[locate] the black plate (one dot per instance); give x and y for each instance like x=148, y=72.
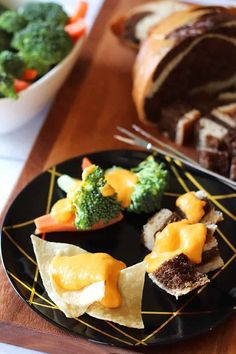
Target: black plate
x=166, y=319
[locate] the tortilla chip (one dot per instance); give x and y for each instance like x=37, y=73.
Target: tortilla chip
x=131, y=282
x=75, y=303
x=72, y=303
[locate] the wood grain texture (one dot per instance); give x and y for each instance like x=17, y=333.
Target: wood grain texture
x=94, y=100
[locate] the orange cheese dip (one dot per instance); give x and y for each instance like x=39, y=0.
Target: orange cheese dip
x=76, y=272
x=176, y=238
x=71, y=194
x=62, y=210
x=87, y=171
x=107, y=190
x=192, y=207
x=123, y=182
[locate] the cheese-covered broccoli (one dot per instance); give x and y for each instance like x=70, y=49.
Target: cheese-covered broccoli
x=11, y=21
x=151, y=183
x=44, y=11
x=139, y=189
x=42, y=42
x=95, y=200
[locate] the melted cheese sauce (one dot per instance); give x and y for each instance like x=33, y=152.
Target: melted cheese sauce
x=76, y=272
x=176, y=238
x=119, y=180
x=62, y=210
x=71, y=194
x=87, y=171
x=107, y=190
x=192, y=207
x=123, y=182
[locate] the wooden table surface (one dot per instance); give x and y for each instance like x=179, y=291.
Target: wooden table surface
x=94, y=100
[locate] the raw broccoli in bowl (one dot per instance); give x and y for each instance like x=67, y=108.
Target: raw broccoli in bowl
x=7, y=88
x=43, y=41
x=11, y=21
x=5, y=40
x=44, y=11
x=11, y=64
x=33, y=39
x=35, y=64
x=2, y=9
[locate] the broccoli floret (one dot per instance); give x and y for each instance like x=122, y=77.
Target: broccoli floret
x=11, y=21
x=152, y=180
x=50, y=12
x=42, y=42
x=35, y=64
x=4, y=40
x=2, y=9
x=11, y=63
x=7, y=86
x=91, y=204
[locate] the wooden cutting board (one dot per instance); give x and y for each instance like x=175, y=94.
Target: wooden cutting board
x=94, y=100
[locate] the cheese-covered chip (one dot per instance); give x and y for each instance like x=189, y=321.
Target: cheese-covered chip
x=131, y=283
x=72, y=303
x=75, y=303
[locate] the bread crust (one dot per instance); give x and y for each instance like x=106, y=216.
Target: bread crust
x=154, y=12
x=161, y=42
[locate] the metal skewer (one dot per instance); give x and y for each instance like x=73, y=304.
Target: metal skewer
x=161, y=143
x=133, y=139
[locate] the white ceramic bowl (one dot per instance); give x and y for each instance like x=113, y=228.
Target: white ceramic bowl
x=31, y=101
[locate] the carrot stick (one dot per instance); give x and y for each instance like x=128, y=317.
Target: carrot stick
x=20, y=85
x=80, y=11
x=75, y=29
x=29, y=74
x=85, y=163
x=46, y=223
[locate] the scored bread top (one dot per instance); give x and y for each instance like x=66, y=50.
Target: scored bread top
x=150, y=65
x=134, y=26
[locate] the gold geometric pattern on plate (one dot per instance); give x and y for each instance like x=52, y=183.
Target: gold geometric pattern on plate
x=198, y=185
x=209, y=195
x=48, y=207
x=174, y=166
x=52, y=306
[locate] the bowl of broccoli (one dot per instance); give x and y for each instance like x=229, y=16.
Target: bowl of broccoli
x=39, y=44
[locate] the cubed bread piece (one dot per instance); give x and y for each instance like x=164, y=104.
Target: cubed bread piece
x=214, y=160
x=178, y=276
x=211, y=259
x=211, y=134
x=226, y=114
x=156, y=224
x=233, y=169
x=228, y=96
x=186, y=126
